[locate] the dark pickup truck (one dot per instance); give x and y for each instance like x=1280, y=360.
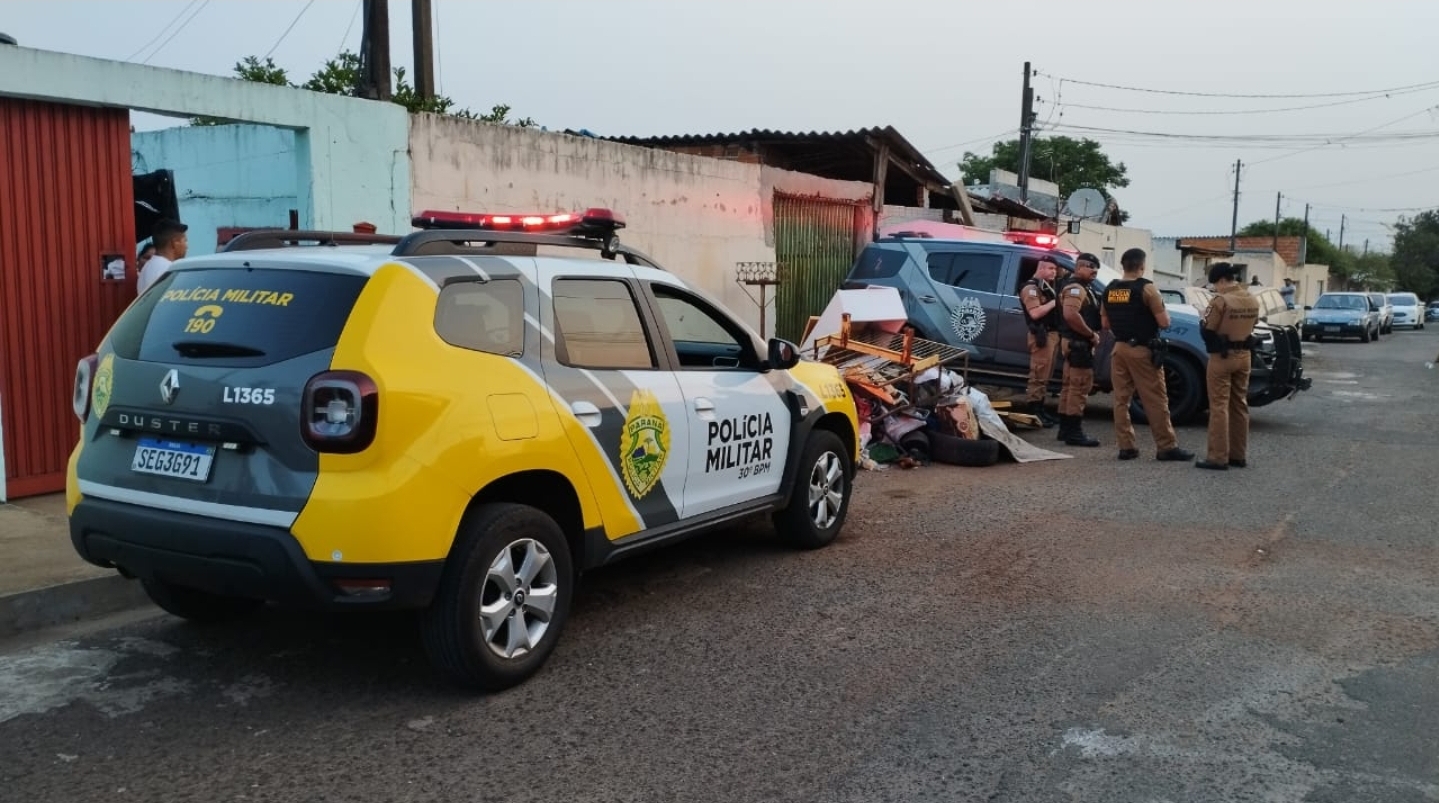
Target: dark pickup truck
x=966, y=293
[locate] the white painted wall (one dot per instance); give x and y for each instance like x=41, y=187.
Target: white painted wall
x=350, y=153
x=1110, y=242
x=695, y=215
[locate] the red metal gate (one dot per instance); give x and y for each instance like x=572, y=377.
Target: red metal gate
x=66, y=199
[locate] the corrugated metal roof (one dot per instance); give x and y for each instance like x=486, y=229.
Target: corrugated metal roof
x=900, y=147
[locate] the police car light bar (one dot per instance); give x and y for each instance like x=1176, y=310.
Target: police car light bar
x=1034, y=238
x=592, y=222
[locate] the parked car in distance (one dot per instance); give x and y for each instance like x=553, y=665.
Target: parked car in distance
x=1431, y=312
x=1408, y=311
x=1336, y=315
x=1196, y=297
x=1386, y=312
x=1272, y=308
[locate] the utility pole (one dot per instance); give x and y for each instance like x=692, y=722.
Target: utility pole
x=1366, y=246
x=1278, y=196
x=1304, y=241
x=424, y=30
x=375, y=51
x=1234, y=221
x=1342, y=221
x=1026, y=135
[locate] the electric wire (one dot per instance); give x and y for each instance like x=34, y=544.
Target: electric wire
x=991, y=137
x=359, y=5
x=1281, y=96
x=1226, y=112
x=166, y=36
x=293, y=22
x=158, y=36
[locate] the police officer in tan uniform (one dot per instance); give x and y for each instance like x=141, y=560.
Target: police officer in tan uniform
x=1079, y=332
x=1041, y=310
x=1134, y=311
x=1228, y=328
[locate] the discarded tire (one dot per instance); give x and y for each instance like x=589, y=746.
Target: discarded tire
x=918, y=445
x=963, y=451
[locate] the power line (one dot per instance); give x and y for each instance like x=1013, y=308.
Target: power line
x=439, y=52
x=293, y=22
x=162, y=31
x=1227, y=112
x=1281, y=139
x=991, y=137
x=350, y=27
x=1360, y=134
x=176, y=33
x=1253, y=96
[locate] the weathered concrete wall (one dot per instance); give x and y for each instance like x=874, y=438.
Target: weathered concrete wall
x=350, y=155
x=697, y=216
x=225, y=175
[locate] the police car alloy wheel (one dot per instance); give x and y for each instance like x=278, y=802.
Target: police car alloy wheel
x=820, y=500
x=504, y=599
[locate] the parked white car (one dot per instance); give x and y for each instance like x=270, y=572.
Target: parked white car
x=1408, y=310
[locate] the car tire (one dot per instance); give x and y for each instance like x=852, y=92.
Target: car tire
x=1186, y=392
x=489, y=626
x=200, y=607
x=1365, y=338
x=820, y=499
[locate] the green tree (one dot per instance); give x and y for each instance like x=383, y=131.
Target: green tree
x=1371, y=271
x=340, y=75
x=1416, y=253
x=1319, y=251
x=1070, y=163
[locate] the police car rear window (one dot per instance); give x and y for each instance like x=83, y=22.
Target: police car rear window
x=237, y=317
x=878, y=263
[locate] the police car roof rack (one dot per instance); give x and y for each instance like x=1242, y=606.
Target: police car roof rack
x=285, y=238
x=463, y=240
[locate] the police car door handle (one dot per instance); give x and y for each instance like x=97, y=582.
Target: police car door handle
x=705, y=408
x=928, y=299
x=1013, y=311
x=587, y=413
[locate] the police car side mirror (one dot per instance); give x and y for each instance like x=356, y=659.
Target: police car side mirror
x=1307, y=308
x=783, y=355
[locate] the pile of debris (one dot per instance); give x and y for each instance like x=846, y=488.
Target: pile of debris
x=913, y=409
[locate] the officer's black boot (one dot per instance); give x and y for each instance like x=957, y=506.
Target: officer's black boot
x=1037, y=410
x=1077, y=436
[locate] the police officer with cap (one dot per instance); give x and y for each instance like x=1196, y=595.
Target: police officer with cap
x=1041, y=310
x=1228, y=329
x=1079, y=329
x=1134, y=311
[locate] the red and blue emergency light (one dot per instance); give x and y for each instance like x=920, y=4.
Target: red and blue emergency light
x=596, y=221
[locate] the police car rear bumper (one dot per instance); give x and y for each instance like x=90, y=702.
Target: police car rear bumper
x=1279, y=371
x=239, y=559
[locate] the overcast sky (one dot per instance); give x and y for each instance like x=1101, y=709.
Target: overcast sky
x=946, y=74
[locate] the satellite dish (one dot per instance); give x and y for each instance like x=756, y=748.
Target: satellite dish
x=1086, y=202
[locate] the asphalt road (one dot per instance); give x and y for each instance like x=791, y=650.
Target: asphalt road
x=1073, y=630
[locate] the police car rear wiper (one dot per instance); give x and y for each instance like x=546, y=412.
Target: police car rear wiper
x=211, y=348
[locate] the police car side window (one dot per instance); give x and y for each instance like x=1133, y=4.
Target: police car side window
x=483, y=316
x=978, y=272
x=702, y=338
x=599, y=326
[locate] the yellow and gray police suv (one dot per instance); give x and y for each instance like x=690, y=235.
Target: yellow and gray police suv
x=457, y=421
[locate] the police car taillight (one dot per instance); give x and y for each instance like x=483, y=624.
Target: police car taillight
x=341, y=412
x=595, y=220
x=84, y=376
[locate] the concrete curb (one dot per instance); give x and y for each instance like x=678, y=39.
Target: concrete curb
x=68, y=603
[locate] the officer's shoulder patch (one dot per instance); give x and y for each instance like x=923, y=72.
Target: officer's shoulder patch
x=1076, y=291
x=1030, y=291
